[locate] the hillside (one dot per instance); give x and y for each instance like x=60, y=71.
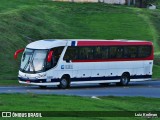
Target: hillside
x=44, y=19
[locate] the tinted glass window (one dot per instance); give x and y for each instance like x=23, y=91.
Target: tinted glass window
x=71, y=53
x=116, y=52
x=112, y=51
x=55, y=57
x=86, y=53
x=144, y=51
x=120, y=52
x=103, y=52
x=100, y=52
x=130, y=52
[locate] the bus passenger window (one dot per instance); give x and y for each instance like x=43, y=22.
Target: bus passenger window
x=116, y=52
x=104, y=51
x=100, y=52
x=97, y=53
x=126, y=52
x=132, y=51
x=85, y=53
x=82, y=53
x=71, y=53
x=112, y=52
x=119, y=52
x=144, y=51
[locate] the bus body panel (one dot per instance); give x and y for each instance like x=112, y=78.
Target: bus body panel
x=90, y=71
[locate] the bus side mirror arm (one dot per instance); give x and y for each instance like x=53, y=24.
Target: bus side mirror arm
x=17, y=52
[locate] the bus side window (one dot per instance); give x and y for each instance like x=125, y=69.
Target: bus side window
x=126, y=52
x=144, y=51
x=90, y=53
x=82, y=53
x=119, y=53
x=97, y=53
x=100, y=52
x=55, y=57
x=132, y=51
x=71, y=53
x=104, y=51
x=116, y=52
x=85, y=53
x=112, y=52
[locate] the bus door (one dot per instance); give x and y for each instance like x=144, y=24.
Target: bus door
x=69, y=65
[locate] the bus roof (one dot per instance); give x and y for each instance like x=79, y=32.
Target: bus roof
x=50, y=43
x=46, y=44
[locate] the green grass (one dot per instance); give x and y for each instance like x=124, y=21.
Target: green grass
x=33, y=102
x=45, y=19
x=156, y=71
x=9, y=82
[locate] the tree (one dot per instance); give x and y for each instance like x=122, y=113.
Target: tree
x=140, y=3
x=144, y=3
x=134, y=2
x=129, y=2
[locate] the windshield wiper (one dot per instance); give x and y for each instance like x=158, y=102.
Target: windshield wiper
x=31, y=62
x=26, y=65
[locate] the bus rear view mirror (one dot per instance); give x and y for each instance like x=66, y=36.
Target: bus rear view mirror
x=17, y=52
x=49, y=57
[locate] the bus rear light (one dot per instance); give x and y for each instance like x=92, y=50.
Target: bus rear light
x=17, y=52
x=49, y=58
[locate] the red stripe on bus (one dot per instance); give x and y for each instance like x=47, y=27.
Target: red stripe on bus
x=110, y=43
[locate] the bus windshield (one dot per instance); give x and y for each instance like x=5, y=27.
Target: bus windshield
x=33, y=60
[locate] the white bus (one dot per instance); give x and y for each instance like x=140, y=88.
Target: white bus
x=66, y=62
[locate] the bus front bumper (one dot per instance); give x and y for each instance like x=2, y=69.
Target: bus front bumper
x=39, y=82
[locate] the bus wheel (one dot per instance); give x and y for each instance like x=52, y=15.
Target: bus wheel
x=43, y=87
x=64, y=83
x=124, y=80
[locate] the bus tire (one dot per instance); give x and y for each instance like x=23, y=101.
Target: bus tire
x=64, y=83
x=43, y=87
x=124, y=80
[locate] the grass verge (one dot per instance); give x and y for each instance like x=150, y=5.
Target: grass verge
x=34, y=102
x=9, y=82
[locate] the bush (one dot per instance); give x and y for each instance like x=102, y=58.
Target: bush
x=157, y=59
x=145, y=3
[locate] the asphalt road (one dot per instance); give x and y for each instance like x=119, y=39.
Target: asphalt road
x=145, y=89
